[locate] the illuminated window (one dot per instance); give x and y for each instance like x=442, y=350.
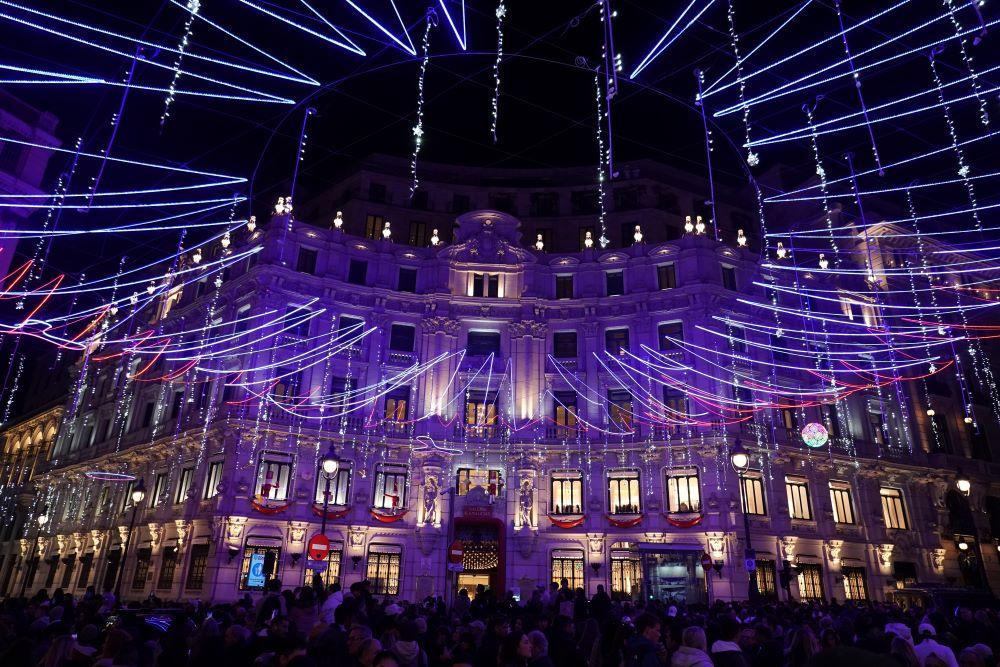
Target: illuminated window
x=567, y=492
x=330, y=575
x=810, y=582
x=384, y=568
x=683, y=491
x=797, y=490
x=855, y=583
x=623, y=492
x=893, y=508
x=564, y=413
x=840, y=500
x=675, y=408
x=620, y=409
x=568, y=564
x=490, y=481
x=396, y=402
x=183, y=485
x=616, y=341
x=167, y=568
x=789, y=419
x=196, y=569
x=212, y=480
x=261, y=563
x=876, y=423
x=143, y=559
x=481, y=413
x=274, y=475
x=373, y=226
x=390, y=488
x=766, y=575
x=340, y=486
x=753, y=494
x=485, y=285
x=626, y=571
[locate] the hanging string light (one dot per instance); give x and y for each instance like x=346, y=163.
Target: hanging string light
x=599, y=133
x=984, y=116
x=753, y=159
x=501, y=14
x=193, y=6
x=418, y=129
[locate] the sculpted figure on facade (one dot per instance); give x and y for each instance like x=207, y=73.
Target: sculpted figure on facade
x=431, y=493
x=526, y=502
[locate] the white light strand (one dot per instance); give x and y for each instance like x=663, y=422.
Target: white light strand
x=418, y=129
x=984, y=116
x=599, y=133
x=501, y=14
x=192, y=6
x=753, y=159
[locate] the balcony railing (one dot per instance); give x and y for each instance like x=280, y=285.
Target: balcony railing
x=479, y=431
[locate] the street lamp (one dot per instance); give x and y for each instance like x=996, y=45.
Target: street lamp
x=740, y=460
x=42, y=519
x=963, y=484
x=138, y=494
x=331, y=466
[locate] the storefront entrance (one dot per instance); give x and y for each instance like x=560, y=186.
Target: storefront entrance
x=482, y=560
x=672, y=575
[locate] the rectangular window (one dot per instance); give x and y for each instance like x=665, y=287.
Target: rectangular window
x=564, y=287
x=306, y=262
x=766, y=574
x=666, y=276
x=160, y=482
x=831, y=419
x=566, y=492
x=407, y=280
x=486, y=285
x=147, y=415
x=418, y=200
x=402, y=337
x=789, y=419
x=86, y=567
x=197, y=567
x=738, y=340
x=167, y=569
x=615, y=283
x=753, y=494
x=418, y=230
x=143, y=559
x=470, y=478
x=623, y=492
x=331, y=574
x=212, y=480
x=797, y=490
x=616, y=341
x=350, y=326
x=460, y=203
x=671, y=335
x=583, y=202
x=483, y=343
x=564, y=413
x=385, y=564
x=376, y=192
x=270, y=560
x=855, y=583
x=481, y=413
x=564, y=345
x=183, y=485
x=274, y=474
x=390, y=488
x=675, y=407
x=876, y=423
x=626, y=573
x=893, y=508
x=342, y=393
x=340, y=487
x=544, y=203
x=357, y=272
x=396, y=403
x=840, y=500
x=620, y=409
x=567, y=564
x=729, y=277
x=810, y=582
x=683, y=492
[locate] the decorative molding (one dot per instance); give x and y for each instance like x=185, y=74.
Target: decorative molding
x=155, y=535
x=183, y=530
x=297, y=531
x=356, y=537
x=937, y=559
x=884, y=554
x=834, y=548
x=595, y=541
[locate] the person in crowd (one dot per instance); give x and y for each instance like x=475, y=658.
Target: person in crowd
x=929, y=651
x=693, y=651
x=726, y=652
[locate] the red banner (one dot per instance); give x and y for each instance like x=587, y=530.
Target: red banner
x=388, y=518
x=683, y=523
x=625, y=523
x=568, y=523
x=268, y=509
x=331, y=514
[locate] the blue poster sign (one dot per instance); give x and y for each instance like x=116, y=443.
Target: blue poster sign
x=255, y=577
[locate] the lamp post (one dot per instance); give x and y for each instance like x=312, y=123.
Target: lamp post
x=43, y=519
x=740, y=460
x=331, y=466
x=138, y=494
x=964, y=486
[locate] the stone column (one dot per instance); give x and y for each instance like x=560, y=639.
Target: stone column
x=439, y=336
x=527, y=343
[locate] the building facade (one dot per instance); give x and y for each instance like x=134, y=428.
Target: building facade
x=502, y=415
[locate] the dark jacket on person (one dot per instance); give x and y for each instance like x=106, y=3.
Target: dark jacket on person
x=728, y=654
x=641, y=652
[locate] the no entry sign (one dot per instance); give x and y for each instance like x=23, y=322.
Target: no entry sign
x=319, y=547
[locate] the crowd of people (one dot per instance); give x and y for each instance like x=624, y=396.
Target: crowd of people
x=555, y=627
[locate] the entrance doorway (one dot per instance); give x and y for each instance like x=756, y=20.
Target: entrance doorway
x=470, y=580
x=482, y=559
x=673, y=575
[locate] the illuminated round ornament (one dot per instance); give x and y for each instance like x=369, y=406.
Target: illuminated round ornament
x=815, y=435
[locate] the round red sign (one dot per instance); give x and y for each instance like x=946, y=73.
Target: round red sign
x=455, y=552
x=319, y=547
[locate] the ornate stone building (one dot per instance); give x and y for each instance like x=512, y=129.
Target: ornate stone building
x=467, y=380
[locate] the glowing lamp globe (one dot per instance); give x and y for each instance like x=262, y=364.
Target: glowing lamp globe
x=815, y=435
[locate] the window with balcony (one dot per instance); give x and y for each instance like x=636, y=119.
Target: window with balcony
x=623, y=492
x=789, y=420
x=274, y=474
x=567, y=564
x=797, y=491
x=502, y=201
x=620, y=409
x=407, y=281
x=564, y=413
x=893, y=508
x=183, y=485
x=490, y=481
x=670, y=336
x=485, y=285
x=285, y=383
x=831, y=419
x=810, y=582
x=583, y=202
x=616, y=341
x=402, y=337
x=212, y=480
x=384, y=569
x=340, y=487
x=390, y=488
x=614, y=283
x=483, y=343
x=840, y=500
x=666, y=276
x=306, y=262
x=566, y=493
x=683, y=491
x=357, y=272
x=564, y=345
x=876, y=425
x=564, y=287
x=729, y=277
x=675, y=408
x=481, y=413
x=752, y=492
x=396, y=402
